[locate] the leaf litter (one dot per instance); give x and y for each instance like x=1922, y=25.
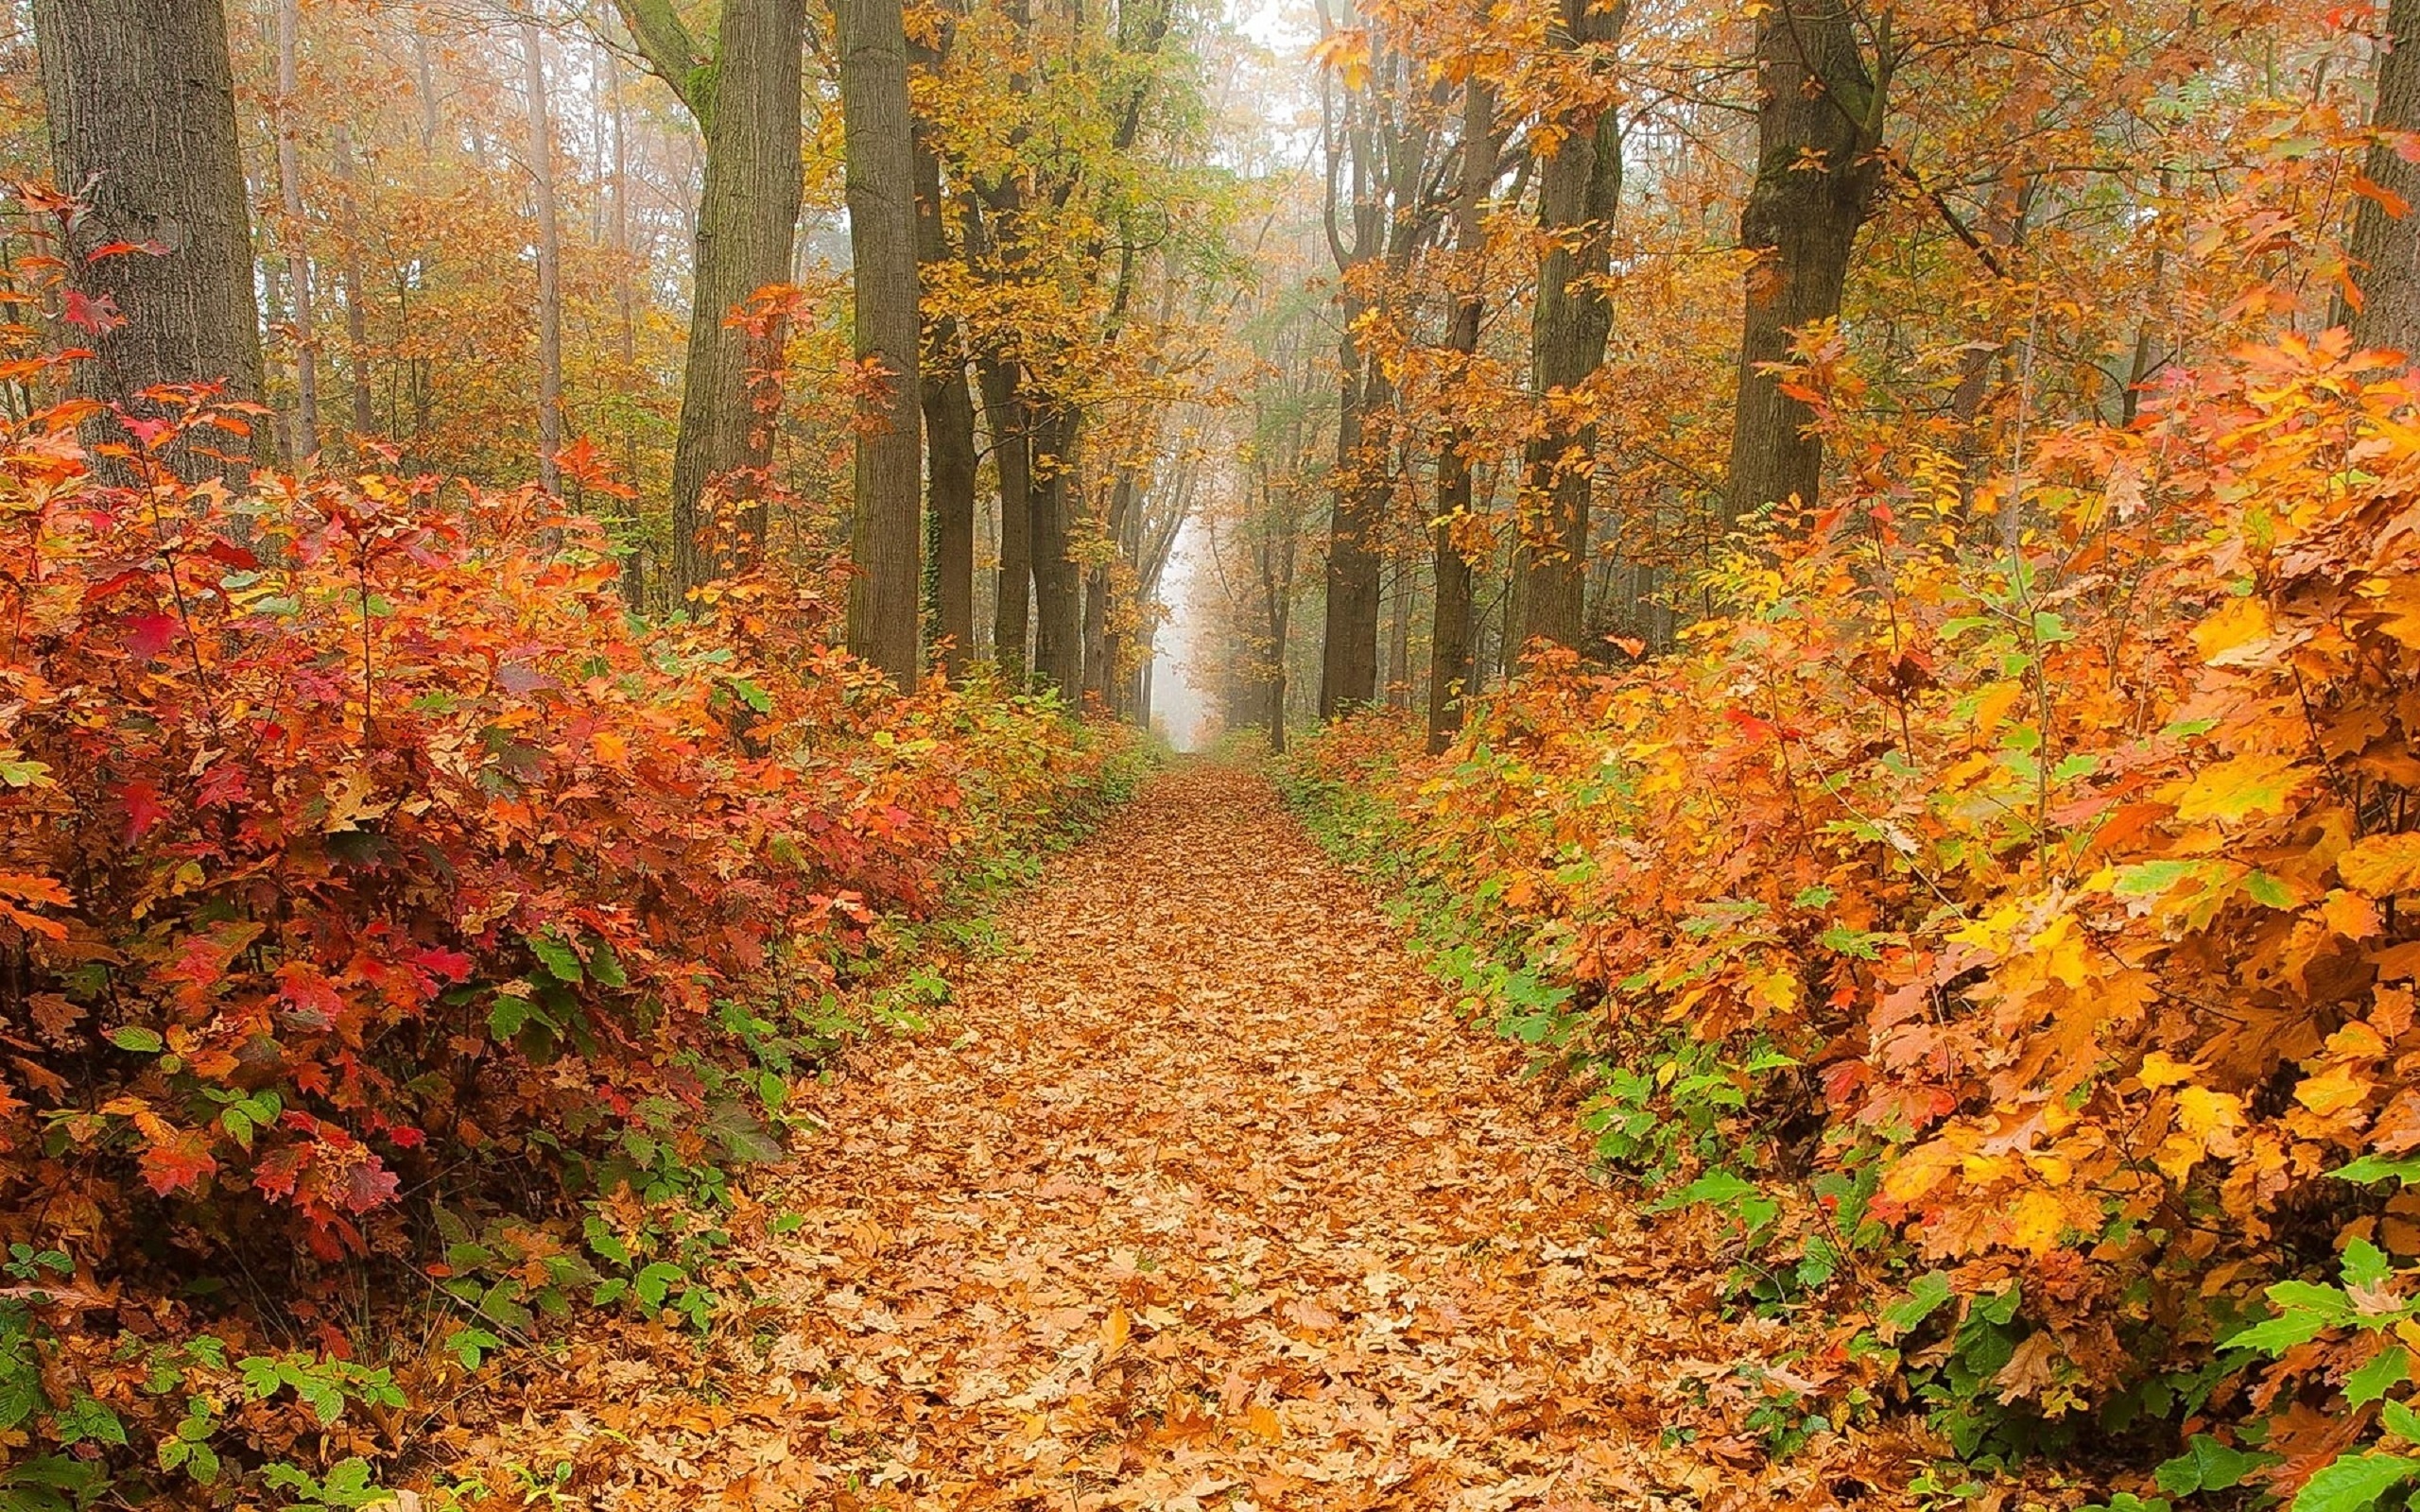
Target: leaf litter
x=1202, y=1196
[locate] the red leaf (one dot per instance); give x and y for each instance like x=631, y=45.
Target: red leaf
x=108, y=588
x=143, y=807
x=222, y=550
x=148, y=635
x=177, y=1164
x=109, y=249
x=99, y=315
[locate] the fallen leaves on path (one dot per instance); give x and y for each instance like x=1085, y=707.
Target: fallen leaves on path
x=1201, y=1197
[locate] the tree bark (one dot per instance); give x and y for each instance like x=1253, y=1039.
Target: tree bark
x=1058, y=631
x=1005, y=417
x=1817, y=100
x=746, y=101
x=550, y=259
x=2386, y=246
x=880, y=161
x=356, y=300
x=949, y=437
x=305, y=441
x=140, y=103
x=1579, y=189
x=1451, y=640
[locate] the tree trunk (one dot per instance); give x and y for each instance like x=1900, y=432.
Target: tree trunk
x=880, y=160
x=356, y=300
x=550, y=259
x=949, y=437
x=1005, y=417
x=1349, y=648
x=1058, y=631
x=140, y=103
x=747, y=104
x=1399, y=680
x=626, y=306
x=1579, y=189
x=1817, y=100
x=2386, y=246
x=1451, y=640
x=305, y=441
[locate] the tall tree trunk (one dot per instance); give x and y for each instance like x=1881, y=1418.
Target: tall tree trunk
x=1399, y=679
x=1579, y=189
x=140, y=103
x=880, y=161
x=1389, y=167
x=1058, y=631
x=550, y=259
x=949, y=437
x=1005, y=417
x=1818, y=101
x=357, y=298
x=1349, y=634
x=304, y=442
x=626, y=305
x=2386, y=246
x=746, y=101
x=1451, y=640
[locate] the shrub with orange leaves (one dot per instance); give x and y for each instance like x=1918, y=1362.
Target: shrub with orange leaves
x=2016, y=940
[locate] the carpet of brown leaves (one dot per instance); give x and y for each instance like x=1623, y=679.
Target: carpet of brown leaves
x=1201, y=1197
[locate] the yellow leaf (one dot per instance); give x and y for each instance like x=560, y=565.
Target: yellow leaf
x=2208, y=1115
x=1114, y=1331
x=2332, y=1091
x=2238, y=623
x=2039, y=1220
x=2242, y=786
x=2177, y=1155
x=2160, y=1070
x=2350, y=915
x=1261, y=1420
x=1918, y=1172
x=2382, y=866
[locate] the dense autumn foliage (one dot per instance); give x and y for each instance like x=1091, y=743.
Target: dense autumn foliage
x=365, y=869
x=2008, y=936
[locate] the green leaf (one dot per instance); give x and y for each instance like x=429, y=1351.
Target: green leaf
x=752, y=696
x=2380, y=1374
x=2083, y=764
x=1924, y=1297
x=2400, y=1420
x=506, y=1017
x=2279, y=1333
x=555, y=953
x=654, y=1283
x=2353, y=1483
x=2207, y=1465
x=2364, y=1265
x=2267, y=891
x=88, y=1419
x=2149, y=879
x=602, y=1240
x=604, y=967
x=143, y=1041
x=2371, y=1168
x=2313, y=1296
x=1717, y=1186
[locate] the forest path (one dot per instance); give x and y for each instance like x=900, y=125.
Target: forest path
x=1200, y=1197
